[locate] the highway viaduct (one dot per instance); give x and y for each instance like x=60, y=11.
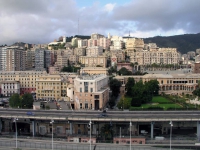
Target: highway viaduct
x=141, y=120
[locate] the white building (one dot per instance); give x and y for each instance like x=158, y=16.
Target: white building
x=8, y=88
x=82, y=43
x=91, y=92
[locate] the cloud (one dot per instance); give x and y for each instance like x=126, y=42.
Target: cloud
x=43, y=21
x=109, y=7
x=164, y=14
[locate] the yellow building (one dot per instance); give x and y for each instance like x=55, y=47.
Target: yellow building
x=26, y=79
x=134, y=43
x=94, y=61
x=51, y=87
x=94, y=70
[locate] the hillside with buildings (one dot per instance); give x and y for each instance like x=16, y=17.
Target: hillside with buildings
x=184, y=43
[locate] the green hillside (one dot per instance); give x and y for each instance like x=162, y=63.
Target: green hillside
x=184, y=43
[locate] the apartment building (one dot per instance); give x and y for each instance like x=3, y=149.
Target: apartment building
x=62, y=61
x=94, y=70
x=82, y=43
x=73, y=59
x=117, y=43
x=196, y=67
x=95, y=36
x=3, y=58
x=134, y=44
x=91, y=92
x=191, y=54
x=30, y=59
x=89, y=61
x=80, y=51
x=53, y=87
x=43, y=59
x=94, y=51
x=15, y=59
x=160, y=56
x=26, y=79
x=8, y=88
x=119, y=54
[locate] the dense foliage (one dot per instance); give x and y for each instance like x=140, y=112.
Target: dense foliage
x=70, y=69
x=139, y=92
x=17, y=101
x=124, y=71
x=115, y=88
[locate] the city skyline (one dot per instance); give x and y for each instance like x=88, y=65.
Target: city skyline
x=43, y=21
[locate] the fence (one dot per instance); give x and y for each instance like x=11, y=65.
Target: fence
x=47, y=145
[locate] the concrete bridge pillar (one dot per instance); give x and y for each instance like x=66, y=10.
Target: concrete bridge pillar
x=33, y=128
x=152, y=126
x=71, y=128
x=198, y=130
x=0, y=125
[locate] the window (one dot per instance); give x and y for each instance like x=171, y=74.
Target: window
x=86, y=105
x=91, y=90
x=81, y=90
x=96, y=96
x=80, y=105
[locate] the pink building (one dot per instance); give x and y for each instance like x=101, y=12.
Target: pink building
x=126, y=140
x=125, y=65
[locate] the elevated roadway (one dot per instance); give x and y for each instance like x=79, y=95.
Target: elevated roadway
x=118, y=116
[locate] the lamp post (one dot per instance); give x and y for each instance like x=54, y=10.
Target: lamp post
x=52, y=121
x=171, y=124
x=90, y=124
x=15, y=120
x=130, y=134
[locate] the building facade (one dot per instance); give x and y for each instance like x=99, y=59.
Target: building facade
x=91, y=92
x=93, y=61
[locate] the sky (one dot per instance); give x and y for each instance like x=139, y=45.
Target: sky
x=43, y=21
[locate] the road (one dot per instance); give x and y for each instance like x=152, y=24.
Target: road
x=63, y=145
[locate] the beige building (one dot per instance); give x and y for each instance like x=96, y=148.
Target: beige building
x=119, y=54
x=62, y=61
x=134, y=44
x=26, y=79
x=168, y=83
x=94, y=70
x=94, y=51
x=73, y=59
x=160, y=56
x=91, y=92
x=80, y=51
x=51, y=87
x=15, y=59
x=93, y=61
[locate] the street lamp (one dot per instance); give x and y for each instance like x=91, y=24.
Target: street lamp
x=90, y=124
x=171, y=124
x=15, y=120
x=52, y=121
x=130, y=133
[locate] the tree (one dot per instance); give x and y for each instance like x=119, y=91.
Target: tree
x=27, y=101
x=124, y=71
x=153, y=86
x=112, y=70
x=15, y=101
x=130, y=83
x=115, y=87
x=136, y=102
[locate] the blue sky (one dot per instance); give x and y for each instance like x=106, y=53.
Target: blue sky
x=42, y=21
